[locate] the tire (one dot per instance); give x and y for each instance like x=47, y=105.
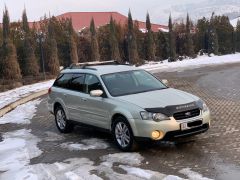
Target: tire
x=124, y=138
x=63, y=125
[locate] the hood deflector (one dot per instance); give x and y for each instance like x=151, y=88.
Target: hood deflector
x=170, y=110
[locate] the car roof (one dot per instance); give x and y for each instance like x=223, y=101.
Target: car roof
x=101, y=69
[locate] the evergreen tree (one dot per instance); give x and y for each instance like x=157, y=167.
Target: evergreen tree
x=133, y=57
x=25, y=25
x=162, y=46
x=9, y=67
x=30, y=65
x=52, y=51
x=84, y=49
x=115, y=54
x=95, y=56
x=72, y=44
x=238, y=36
x=104, y=45
x=6, y=25
x=140, y=40
x=212, y=38
x=150, y=45
x=224, y=31
x=234, y=40
x=202, y=35
x=180, y=33
x=189, y=43
x=1, y=39
x=171, y=39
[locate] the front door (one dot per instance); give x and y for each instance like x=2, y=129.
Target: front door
x=96, y=109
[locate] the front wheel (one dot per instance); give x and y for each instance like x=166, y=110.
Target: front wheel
x=63, y=125
x=123, y=135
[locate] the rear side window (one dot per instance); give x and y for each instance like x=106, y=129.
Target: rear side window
x=77, y=82
x=92, y=83
x=63, y=81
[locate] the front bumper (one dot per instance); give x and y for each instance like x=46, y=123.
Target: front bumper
x=186, y=133
x=169, y=128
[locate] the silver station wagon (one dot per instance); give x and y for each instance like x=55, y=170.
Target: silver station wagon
x=127, y=101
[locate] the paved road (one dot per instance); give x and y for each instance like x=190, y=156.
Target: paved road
x=215, y=154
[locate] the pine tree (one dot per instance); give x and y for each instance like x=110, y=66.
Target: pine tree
x=132, y=43
x=189, y=42
x=115, y=54
x=238, y=36
x=171, y=39
x=213, y=46
x=9, y=67
x=150, y=45
x=1, y=39
x=30, y=66
x=52, y=51
x=72, y=44
x=162, y=46
x=201, y=43
x=95, y=56
x=180, y=32
x=25, y=25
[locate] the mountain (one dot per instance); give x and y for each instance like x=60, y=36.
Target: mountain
x=235, y=21
x=198, y=9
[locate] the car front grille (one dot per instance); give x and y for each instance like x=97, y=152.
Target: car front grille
x=186, y=114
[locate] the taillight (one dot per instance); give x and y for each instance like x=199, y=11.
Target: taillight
x=49, y=90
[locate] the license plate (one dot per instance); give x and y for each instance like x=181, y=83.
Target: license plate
x=184, y=126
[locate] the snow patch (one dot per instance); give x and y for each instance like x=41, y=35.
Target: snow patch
x=51, y=136
x=148, y=174
x=193, y=175
x=133, y=159
x=16, y=150
x=21, y=114
x=163, y=29
x=191, y=63
x=86, y=144
x=234, y=22
x=18, y=93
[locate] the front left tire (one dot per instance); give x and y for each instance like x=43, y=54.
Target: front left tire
x=123, y=135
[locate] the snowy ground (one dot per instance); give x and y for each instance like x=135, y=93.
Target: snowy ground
x=15, y=94
x=18, y=147
x=191, y=63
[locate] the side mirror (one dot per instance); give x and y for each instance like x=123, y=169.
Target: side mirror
x=165, y=81
x=96, y=93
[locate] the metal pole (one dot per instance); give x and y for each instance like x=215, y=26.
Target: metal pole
x=42, y=58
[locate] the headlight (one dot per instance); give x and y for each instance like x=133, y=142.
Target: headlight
x=205, y=108
x=153, y=116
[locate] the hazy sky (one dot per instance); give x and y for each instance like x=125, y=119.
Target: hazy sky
x=37, y=8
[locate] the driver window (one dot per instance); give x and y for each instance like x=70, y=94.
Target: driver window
x=92, y=83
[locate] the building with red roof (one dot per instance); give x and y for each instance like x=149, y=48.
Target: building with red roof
x=81, y=20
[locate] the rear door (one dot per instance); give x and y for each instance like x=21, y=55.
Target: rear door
x=61, y=91
x=76, y=97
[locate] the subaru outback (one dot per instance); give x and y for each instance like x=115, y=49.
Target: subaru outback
x=127, y=101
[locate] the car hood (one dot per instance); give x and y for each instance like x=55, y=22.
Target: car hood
x=159, y=98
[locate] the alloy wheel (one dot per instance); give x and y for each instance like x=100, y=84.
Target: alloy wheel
x=61, y=119
x=122, y=134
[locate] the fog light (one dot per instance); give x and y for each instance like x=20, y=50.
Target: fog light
x=156, y=135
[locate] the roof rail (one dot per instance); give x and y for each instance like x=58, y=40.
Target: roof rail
x=94, y=63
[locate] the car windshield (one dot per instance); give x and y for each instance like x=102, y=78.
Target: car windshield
x=131, y=82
